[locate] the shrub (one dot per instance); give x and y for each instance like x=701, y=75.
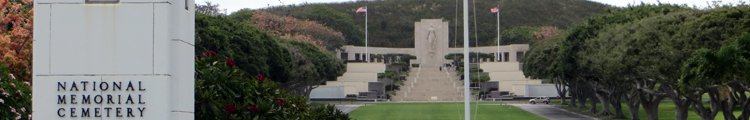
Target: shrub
x=328, y=113
x=223, y=92
x=15, y=96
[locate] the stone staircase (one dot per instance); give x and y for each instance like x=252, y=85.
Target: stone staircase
x=430, y=84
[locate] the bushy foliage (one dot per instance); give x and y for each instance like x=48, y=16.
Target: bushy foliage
x=546, y=32
x=391, y=22
x=642, y=54
x=253, y=50
x=15, y=96
x=16, y=20
x=313, y=66
x=538, y=63
x=341, y=21
x=300, y=30
x=516, y=35
x=297, y=66
x=328, y=113
x=208, y=9
x=225, y=92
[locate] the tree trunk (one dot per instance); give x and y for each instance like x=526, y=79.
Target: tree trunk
x=681, y=104
x=581, y=100
x=744, y=104
x=702, y=111
x=723, y=103
x=633, y=108
x=652, y=110
x=617, y=104
x=681, y=110
x=562, y=98
x=650, y=104
x=745, y=111
x=593, y=104
x=561, y=91
x=605, y=104
x=744, y=101
x=726, y=109
x=573, y=98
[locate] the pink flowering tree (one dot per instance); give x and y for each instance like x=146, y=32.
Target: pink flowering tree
x=16, y=20
x=291, y=28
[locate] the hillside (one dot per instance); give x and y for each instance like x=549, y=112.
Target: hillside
x=391, y=22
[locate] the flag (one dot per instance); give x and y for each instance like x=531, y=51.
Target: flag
x=362, y=10
x=495, y=10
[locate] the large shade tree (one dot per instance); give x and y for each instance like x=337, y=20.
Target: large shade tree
x=643, y=54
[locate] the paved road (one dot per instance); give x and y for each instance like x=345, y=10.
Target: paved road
x=552, y=112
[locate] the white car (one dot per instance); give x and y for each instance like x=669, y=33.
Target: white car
x=544, y=100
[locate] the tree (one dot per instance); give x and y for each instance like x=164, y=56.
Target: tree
x=721, y=74
x=516, y=35
x=538, y=64
x=313, y=67
x=225, y=92
x=392, y=21
x=258, y=52
x=337, y=20
x=208, y=9
x=546, y=32
x=300, y=30
x=605, y=55
x=650, y=52
x=16, y=28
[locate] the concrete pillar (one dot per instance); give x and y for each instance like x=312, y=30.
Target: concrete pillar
x=513, y=56
x=350, y=56
x=145, y=46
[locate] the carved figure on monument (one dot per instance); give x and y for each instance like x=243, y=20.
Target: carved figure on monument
x=431, y=40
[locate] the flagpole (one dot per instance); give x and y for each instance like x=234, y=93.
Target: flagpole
x=367, y=52
x=467, y=106
x=498, y=32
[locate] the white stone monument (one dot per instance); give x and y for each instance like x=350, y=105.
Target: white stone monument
x=113, y=59
x=431, y=41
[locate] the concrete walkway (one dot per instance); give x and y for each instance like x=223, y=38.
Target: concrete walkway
x=552, y=112
x=347, y=108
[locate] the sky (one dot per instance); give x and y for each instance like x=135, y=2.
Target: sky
x=234, y=5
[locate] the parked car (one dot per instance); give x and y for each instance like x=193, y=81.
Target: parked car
x=544, y=100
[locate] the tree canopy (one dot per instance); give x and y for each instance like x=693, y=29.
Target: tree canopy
x=391, y=22
x=296, y=66
x=642, y=54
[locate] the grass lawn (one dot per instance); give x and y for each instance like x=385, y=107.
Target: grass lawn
x=666, y=111
x=439, y=111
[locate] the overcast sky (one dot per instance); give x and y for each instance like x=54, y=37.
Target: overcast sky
x=234, y=5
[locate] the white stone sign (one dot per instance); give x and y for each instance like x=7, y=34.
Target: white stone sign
x=113, y=59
